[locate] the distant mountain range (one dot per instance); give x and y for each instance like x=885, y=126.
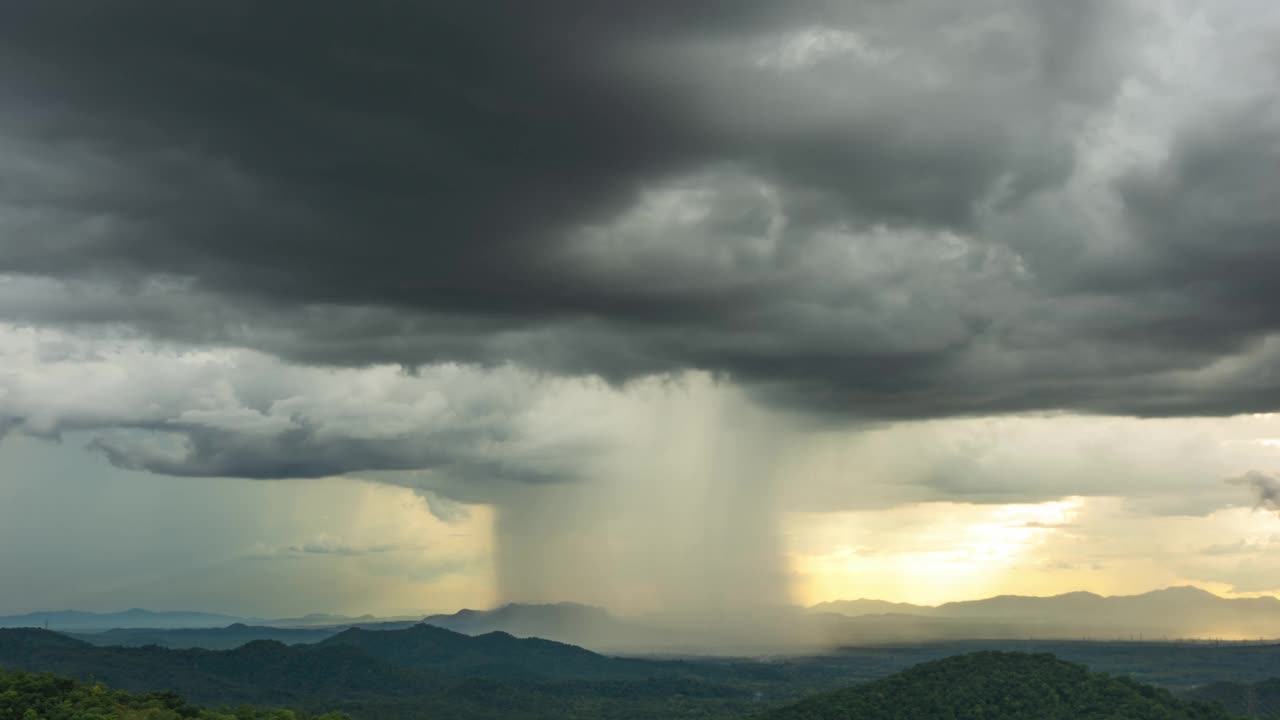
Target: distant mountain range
x=1177, y=612
x=748, y=632
x=79, y=621
x=528, y=620
x=584, y=625
x=134, y=618
x=223, y=638
x=1172, y=613
x=862, y=606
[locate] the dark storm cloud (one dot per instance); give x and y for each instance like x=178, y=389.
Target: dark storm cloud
x=842, y=206
x=311, y=153
x=1210, y=227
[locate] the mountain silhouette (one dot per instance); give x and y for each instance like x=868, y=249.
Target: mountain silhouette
x=80, y=621
x=1169, y=613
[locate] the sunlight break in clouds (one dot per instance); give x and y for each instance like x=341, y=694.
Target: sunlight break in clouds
x=923, y=554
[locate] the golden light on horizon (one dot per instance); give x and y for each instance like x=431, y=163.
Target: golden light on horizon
x=928, y=553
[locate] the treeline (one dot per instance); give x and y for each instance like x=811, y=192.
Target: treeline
x=44, y=696
x=433, y=673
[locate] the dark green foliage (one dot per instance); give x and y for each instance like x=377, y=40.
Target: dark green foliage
x=1171, y=665
x=1258, y=701
x=340, y=675
x=261, y=672
x=431, y=673
x=998, y=686
x=495, y=655
x=32, y=696
x=223, y=638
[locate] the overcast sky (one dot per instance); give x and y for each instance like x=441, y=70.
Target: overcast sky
x=310, y=306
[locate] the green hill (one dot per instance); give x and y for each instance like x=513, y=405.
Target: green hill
x=1257, y=701
x=494, y=655
x=427, y=673
x=998, y=686
x=341, y=675
x=223, y=638
x=260, y=672
x=40, y=696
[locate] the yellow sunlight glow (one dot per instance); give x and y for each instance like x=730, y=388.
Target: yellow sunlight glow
x=925, y=554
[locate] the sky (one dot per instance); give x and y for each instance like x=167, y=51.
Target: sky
x=685, y=305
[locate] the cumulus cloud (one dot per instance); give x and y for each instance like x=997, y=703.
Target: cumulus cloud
x=239, y=413
x=1159, y=467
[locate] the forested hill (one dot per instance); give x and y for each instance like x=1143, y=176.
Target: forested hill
x=999, y=686
x=494, y=655
x=261, y=672
x=41, y=696
x=357, y=659
x=489, y=678
x=1256, y=701
x=427, y=673
x=223, y=638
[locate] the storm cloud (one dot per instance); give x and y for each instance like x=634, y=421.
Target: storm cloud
x=866, y=211
x=494, y=250
x=685, y=304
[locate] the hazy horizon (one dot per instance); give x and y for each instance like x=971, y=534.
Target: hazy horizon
x=407, y=614
x=415, y=613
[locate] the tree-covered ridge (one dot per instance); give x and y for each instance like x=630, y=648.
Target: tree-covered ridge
x=999, y=686
x=495, y=655
x=43, y=696
x=1256, y=701
x=257, y=673
x=341, y=676
x=434, y=673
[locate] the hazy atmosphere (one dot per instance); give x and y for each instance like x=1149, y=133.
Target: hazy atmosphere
x=666, y=307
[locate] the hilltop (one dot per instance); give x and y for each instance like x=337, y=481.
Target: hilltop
x=575, y=623
x=382, y=675
x=999, y=686
x=494, y=654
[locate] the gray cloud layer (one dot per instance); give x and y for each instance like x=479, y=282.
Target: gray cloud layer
x=882, y=210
